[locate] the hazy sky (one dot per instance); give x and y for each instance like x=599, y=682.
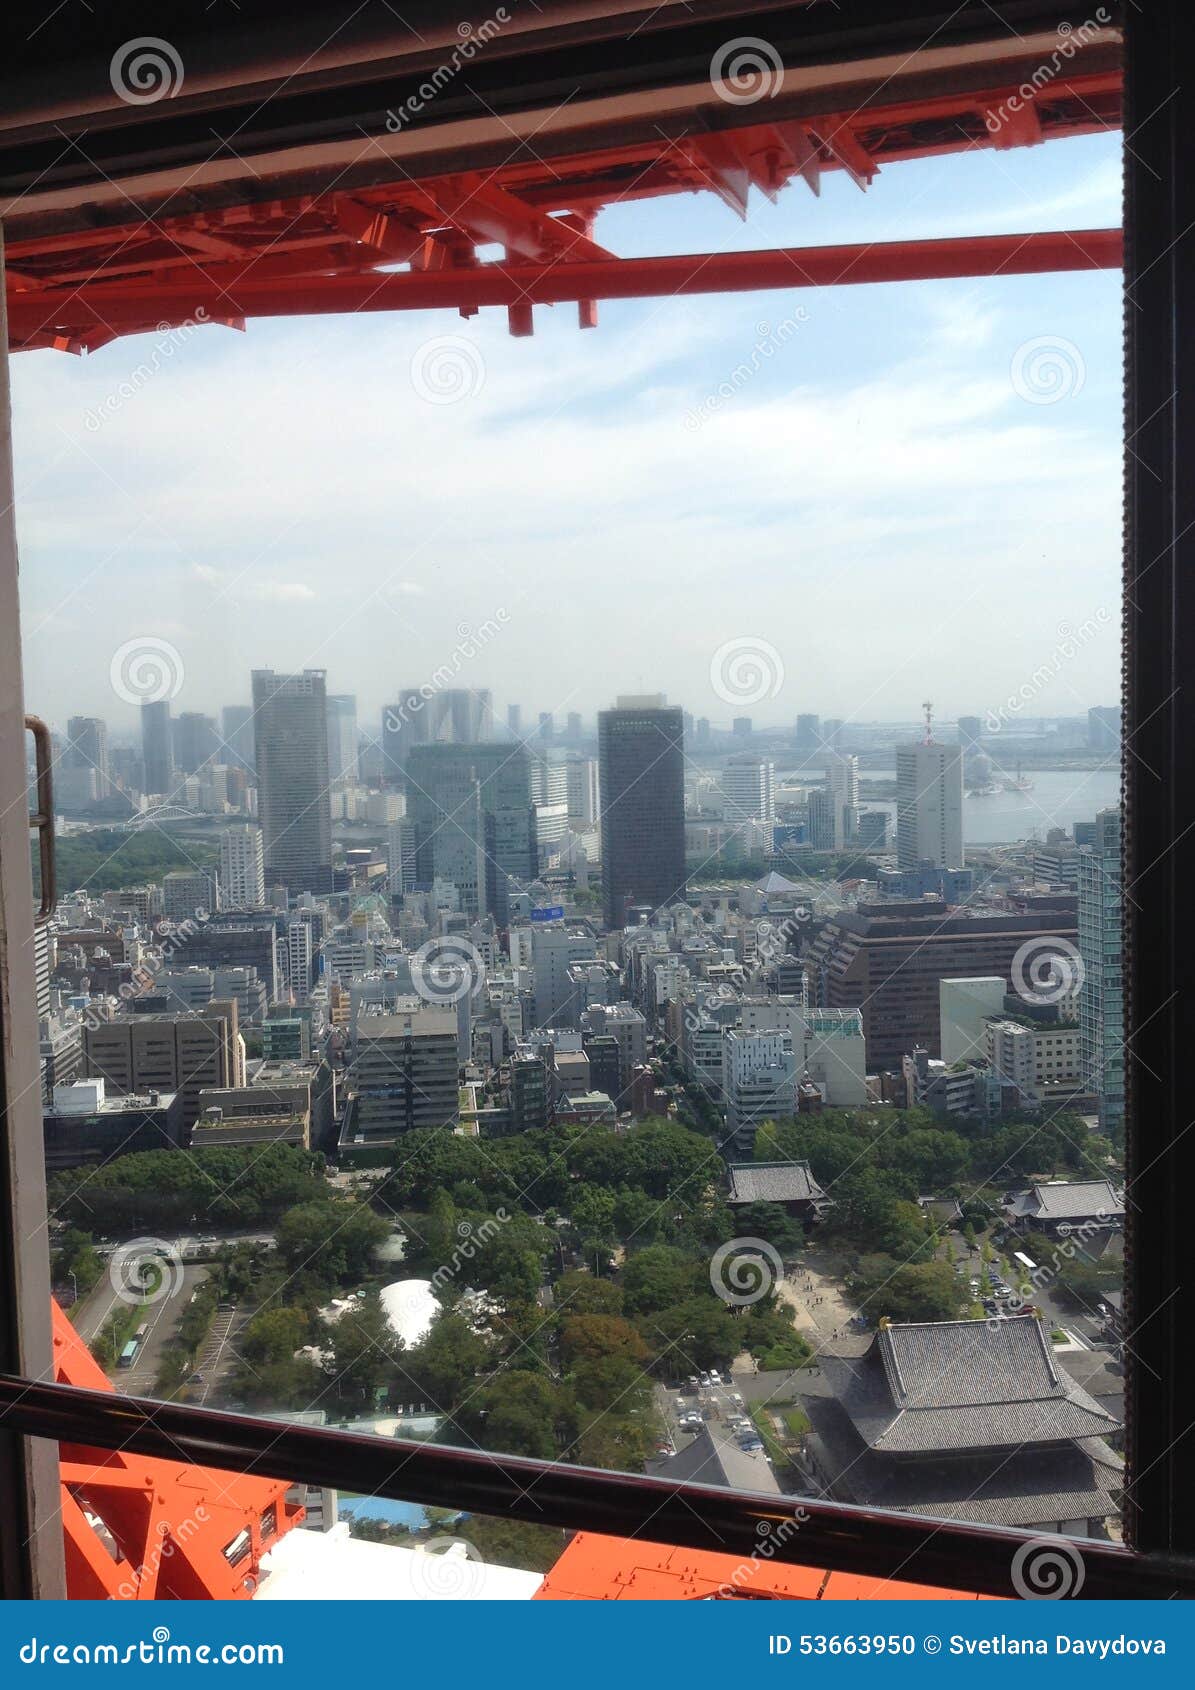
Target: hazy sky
x=885, y=510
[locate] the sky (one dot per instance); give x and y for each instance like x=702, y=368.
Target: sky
x=913, y=492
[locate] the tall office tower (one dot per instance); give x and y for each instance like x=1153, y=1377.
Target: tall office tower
x=748, y=787
x=157, y=751
x=573, y=726
x=547, y=726
x=242, y=868
x=741, y=727
x=871, y=834
x=291, y=755
x=87, y=748
x=514, y=719
x=400, y=855
x=1103, y=727
x=300, y=957
x=642, y=770
x=549, y=779
x=236, y=733
x=832, y=732
x=584, y=802
x=970, y=731
x=188, y=893
x=842, y=777
x=196, y=741
x=821, y=821
x=701, y=733
x=406, y=1071
x=342, y=739
x=809, y=732
x=474, y=821
x=1101, y=994
x=929, y=805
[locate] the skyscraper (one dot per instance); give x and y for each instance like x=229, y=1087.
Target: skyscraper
x=1103, y=727
x=970, y=730
x=87, y=748
x=156, y=746
x=514, y=719
x=291, y=740
x=1101, y=993
x=809, y=732
x=748, y=787
x=342, y=738
x=474, y=821
x=842, y=776
x=929, y=805
x=642, y=769
x=242, y=868
x=195, y=741
x=236, y=723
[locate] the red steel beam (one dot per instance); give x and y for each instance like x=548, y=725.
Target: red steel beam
x=127, y=309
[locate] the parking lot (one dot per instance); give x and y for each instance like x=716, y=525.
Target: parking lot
x=716, y=1406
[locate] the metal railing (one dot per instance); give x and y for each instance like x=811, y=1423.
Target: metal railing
x=842, y=1538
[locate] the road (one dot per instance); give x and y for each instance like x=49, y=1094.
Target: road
x=162, y=1318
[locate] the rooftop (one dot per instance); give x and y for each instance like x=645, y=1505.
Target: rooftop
x=963, y=1385
x=773, y=1182
x=1074, y=1200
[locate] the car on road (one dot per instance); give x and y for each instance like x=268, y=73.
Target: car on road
x=715, y=1376
x=691, y=1384
x=703, y=1380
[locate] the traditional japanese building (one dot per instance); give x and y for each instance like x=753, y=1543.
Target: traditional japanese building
x=965, y=1420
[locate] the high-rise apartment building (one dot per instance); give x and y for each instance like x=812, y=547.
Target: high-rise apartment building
x=748, y=788
x=1101, y=993
x=291, y=754
x=405, y=1072
x=342, y=738
x=582, y=792
x=821, y=820
x=929, y=805
x=400, y=855
x=474, y=821
x=842, y=777
x=970, y=731
x=514, y=719
x=642, y=771
x=242, y=868
x=87, y=748
x=157, y=753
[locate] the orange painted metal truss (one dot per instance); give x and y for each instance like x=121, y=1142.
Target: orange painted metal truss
x=162, y=265
x=138, y=1527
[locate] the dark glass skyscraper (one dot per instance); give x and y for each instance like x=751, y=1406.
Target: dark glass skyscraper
x=474, y=821
x=156, y=748
x=295, y=809
x=642, y=768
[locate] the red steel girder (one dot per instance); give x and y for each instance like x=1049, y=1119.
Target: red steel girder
x=35, y=318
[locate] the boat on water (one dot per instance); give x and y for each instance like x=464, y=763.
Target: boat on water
x=1021, y=783
x=988, y=791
